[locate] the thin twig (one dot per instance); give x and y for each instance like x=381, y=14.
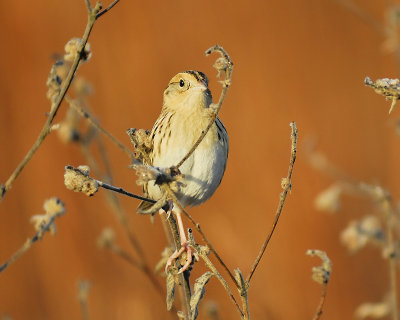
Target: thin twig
x=287, y=186
x=122, y=191
x=28, y=244
x=364, y=16
x=226, y=83
x=92, y=17
x=98, y=126
x=106, y=9
x=211, y=266
x=320, y=306
x=83, y=290
x=390, y=215
x=88, y=5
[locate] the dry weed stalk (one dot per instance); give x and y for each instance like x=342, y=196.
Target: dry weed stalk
x=321, y=275
x=83, y=292
x=388, y=29
x=80, y=56
x=368, y=229
x=43, y=223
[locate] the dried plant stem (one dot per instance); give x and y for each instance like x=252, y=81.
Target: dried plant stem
x=217, y=107
x=172, y=233
x=211, y=266
x=388, y=211
x=140, y=265
x=28, y=244
x=98, y=126
x=111, y=198
x=198, y=228
x=286, y=188
x=320, y=306
x=243, y=293
x=393, y=287
x=83, y=289
x=122, y=191
x=93, y=14
x=364, y=16
x=379, y=194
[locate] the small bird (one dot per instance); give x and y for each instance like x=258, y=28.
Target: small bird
x=186, y=112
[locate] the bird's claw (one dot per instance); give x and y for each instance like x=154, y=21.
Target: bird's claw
x=190, y=253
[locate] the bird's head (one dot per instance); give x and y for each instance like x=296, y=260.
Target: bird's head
x=188, y=89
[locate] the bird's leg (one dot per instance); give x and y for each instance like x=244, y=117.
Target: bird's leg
x=184, y=247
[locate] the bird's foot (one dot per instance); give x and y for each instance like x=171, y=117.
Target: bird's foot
x=190, y=253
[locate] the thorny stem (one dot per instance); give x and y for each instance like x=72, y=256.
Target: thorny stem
x=286, y=188
x=98, y=126
x=217, y=107
x=28, y=244
x=92, y=17
x=318, y=312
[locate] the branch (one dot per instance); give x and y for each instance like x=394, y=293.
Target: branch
x=43, y=223
x=92, y=17
x=321, y=274
x=223, y=64
x=287, y=186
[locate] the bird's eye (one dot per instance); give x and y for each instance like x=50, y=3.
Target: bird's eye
x=181, y=83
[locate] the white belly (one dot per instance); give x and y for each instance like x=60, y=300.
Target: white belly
x=203, y=170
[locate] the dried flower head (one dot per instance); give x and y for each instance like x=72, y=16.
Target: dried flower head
x=329, y=199
x=376, y=310
x=72, y=50
x=359, y=233
x=322, y=273
x=106, y=238
x=221, y=64
x=56, y=76
x=68, y=128
x=141, y=142
x=78, y=180
x=171, y=176
x=53, y=207
x=390, y=88
x=391, y=250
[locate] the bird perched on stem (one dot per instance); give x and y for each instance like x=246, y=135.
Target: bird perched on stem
x=186, y=112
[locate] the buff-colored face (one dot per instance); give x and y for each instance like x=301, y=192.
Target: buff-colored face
x=187, y=88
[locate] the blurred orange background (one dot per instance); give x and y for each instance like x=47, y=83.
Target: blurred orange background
x=294, y=60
